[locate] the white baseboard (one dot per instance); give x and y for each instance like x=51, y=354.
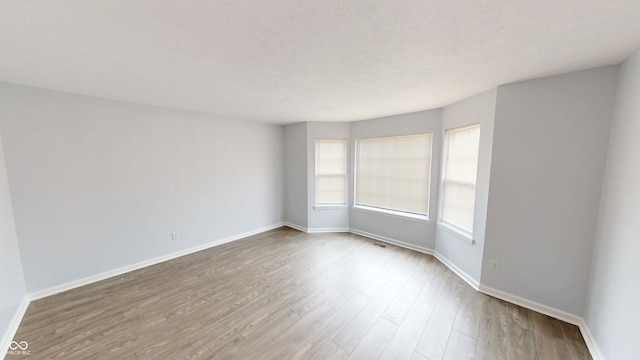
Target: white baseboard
x=9, y=334
x=462, y=274
x=315, y=230
x=295, y=227
x=327, y=230
x=403, y=244
x=365, y=234
x=550, y=311
x=590, y=340
x=532, y=305
x=125, y=269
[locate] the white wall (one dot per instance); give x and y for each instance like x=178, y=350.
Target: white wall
x=327, y=218
x=549, y=150
x=612, y=312
x=465, y=256
x=12, y=288
x=418, y=234
x=295, y=136
x=97, y=184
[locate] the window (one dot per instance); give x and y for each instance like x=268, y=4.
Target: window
x=393, y=173
x=331, y=169
x=459, y=180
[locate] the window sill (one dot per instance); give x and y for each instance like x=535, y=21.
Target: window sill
x=459, y=233
x=330, y=206
x=394, y=214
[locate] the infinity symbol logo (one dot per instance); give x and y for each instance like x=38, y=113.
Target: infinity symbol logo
x=22, y=345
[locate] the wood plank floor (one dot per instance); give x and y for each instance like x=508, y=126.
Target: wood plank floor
x=285, y=294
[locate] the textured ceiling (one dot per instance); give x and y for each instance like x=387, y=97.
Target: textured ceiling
x=286, y=61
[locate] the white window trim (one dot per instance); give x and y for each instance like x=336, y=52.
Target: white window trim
x=392, y=213
x=330, y=206
x=457, y=231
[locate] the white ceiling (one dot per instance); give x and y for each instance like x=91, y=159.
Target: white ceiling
x=286, y=61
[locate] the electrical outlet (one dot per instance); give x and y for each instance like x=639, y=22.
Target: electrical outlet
x=494, y=265
x=174, y=236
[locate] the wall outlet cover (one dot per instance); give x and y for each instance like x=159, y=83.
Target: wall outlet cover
x=494, y=265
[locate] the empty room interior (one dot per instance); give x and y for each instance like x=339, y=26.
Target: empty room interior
x=369, y=179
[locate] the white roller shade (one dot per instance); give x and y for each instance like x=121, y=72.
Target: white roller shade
x=394, y=173
x=460, y=172
x=331, y=167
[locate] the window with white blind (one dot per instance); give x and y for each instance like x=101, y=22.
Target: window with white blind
x=459, y=179
x=393, y=173
x=331, y=170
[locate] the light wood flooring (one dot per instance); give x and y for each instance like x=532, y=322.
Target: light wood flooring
x=285, y=294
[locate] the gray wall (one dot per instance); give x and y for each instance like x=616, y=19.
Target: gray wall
x=614, y=294
x=295, y=153
x=325, y=218
x=97, y=184
x=12, y=288
x=549, y=151
x=477, y=109
x=419, y=234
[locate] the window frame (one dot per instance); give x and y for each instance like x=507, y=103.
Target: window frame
x=328, y=206
x=405, y=215
x=453, y=229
